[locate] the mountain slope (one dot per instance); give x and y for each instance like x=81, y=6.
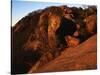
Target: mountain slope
x=82, y=57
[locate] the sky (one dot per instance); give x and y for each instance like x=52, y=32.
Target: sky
x=22, y=8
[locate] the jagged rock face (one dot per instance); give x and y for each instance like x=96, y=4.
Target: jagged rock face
x=41, y=36
x=91, y=24
x=37, y=34
x=52, y=28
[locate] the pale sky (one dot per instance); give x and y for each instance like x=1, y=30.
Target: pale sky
x=22, y=8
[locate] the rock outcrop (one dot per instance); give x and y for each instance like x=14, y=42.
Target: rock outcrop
x=82, y=57
x=41, y=37
x=91, y=24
